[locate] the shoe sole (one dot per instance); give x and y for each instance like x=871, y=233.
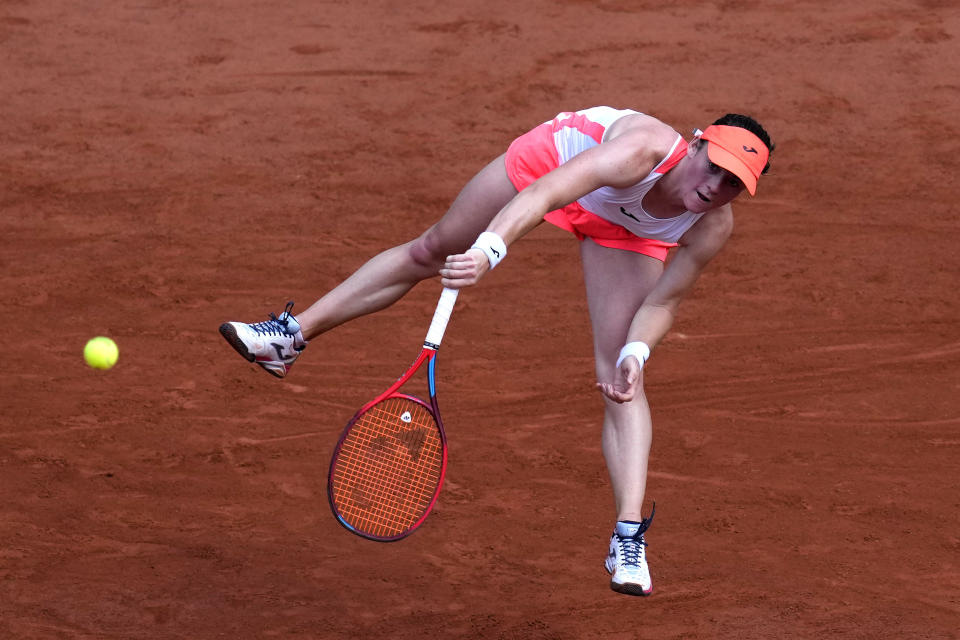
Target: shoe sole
x=230, y=335
x=630, y=589
x=627, y=588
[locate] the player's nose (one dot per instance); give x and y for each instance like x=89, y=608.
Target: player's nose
x=713, y=183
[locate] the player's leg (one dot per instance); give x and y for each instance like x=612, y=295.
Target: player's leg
x=617, y=282
x=275, y=344
x=388, y=276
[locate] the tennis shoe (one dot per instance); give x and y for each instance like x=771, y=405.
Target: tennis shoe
x=274, y=344
x=627, y=560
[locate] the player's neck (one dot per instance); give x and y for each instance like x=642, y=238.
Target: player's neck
x=664, y=200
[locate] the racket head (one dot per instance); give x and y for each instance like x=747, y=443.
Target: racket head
x=388, y=467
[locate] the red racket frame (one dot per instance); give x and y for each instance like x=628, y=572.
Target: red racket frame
x=428, y=356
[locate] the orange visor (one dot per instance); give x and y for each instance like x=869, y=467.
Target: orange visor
x=738, y=151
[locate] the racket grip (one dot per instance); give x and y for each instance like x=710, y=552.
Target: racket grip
x=440, y=318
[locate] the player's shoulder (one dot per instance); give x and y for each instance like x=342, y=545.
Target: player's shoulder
x=720, y=220
x=711, y=231
x=648, y=135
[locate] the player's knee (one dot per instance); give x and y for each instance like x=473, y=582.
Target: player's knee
x=426, y=253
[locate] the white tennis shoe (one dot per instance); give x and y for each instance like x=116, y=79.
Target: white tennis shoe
x=274, y=344
x=627, y=560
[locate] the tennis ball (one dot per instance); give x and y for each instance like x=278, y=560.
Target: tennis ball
x=101, y=352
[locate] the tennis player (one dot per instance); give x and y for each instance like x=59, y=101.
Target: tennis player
x=631, y=189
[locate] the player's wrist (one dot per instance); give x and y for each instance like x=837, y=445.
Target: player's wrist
x=492, y=246
x=640, y=350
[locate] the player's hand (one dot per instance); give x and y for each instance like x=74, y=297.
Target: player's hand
x=464, y=269
x=626, y=382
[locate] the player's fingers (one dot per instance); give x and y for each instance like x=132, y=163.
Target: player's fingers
x=458, y=278
x=459, y=272
x=456, y=260
x=453, y=266
x=470, y=263
x=629, y=375
x=463, y=269
x=456, y=272
x=472, y=255
x=613, y=393
x=450, y=283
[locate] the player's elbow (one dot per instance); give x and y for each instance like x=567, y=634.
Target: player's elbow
x=540, y=198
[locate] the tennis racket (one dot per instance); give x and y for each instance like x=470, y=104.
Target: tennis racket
x=388, y=467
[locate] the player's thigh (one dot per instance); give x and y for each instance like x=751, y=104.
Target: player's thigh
x=471, y=212
x=617, y=282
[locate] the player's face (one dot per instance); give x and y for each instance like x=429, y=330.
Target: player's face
x=710, y=185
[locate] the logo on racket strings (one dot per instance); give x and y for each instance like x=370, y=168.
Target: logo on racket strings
x=413, y=440
x=406, y=417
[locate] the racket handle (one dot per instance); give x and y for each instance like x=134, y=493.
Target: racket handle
x=440, y=318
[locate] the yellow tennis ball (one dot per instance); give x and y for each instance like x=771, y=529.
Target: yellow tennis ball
x=101, y=352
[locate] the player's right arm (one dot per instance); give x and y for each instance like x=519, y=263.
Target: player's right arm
x=620, y=162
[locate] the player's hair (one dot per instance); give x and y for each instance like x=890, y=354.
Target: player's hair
x=751, y=125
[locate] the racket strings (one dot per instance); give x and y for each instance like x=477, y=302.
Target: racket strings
x=384, y=489
x=389, y=467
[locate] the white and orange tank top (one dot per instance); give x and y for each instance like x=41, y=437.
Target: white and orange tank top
x=575, y=132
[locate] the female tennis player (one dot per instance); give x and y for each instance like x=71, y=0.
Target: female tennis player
x=630, y=188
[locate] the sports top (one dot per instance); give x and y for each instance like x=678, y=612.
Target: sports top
x=575, y=132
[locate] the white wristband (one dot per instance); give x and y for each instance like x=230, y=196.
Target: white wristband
x=492, y=246
x=638, y=349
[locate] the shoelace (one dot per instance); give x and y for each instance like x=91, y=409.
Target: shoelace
x=275, y=326
x=632, y=549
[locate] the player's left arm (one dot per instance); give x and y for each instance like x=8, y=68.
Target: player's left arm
x=656, y=315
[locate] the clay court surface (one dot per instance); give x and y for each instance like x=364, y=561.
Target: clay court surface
x=168, y=165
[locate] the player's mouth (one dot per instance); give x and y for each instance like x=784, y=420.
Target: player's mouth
x=703, y=197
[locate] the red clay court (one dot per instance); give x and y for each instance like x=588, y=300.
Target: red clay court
x=167, y=165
